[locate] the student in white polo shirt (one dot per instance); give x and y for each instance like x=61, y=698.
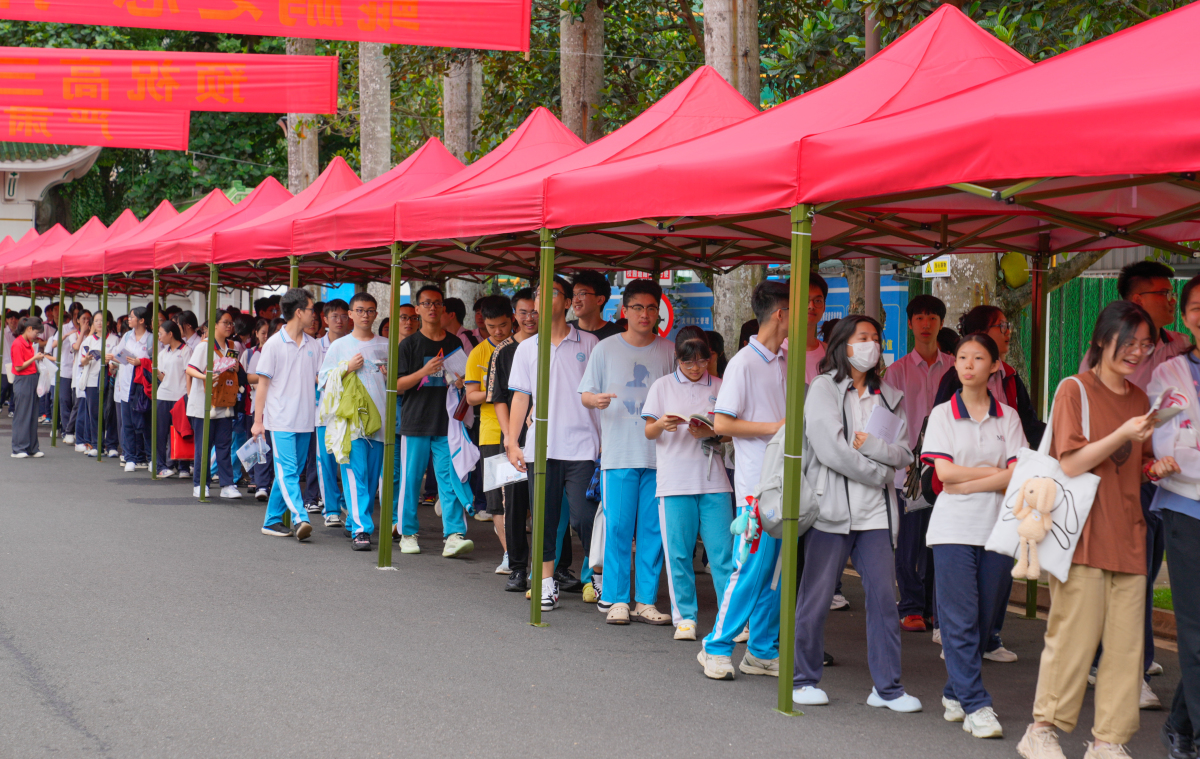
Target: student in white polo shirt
x=573, y=431
x=322, y=476
x=972, y=441
x=285, y=405
x=751, y=408
x=172, y=385
x=917, y=375
x=694, y=496
x=616, y=383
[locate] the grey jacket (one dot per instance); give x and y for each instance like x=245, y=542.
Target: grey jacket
x=830, y=458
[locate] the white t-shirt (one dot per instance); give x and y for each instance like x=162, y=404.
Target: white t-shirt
x=199, y=362
x=173, y=365
x=373, y=374
x=754, y=389
x=92, y=370
x=919, y=382
x=617, y=367
x=574, y=431
x=685, y=468
x=954, y=436
x=140, y=349
x=292, y=370
x=868, y=508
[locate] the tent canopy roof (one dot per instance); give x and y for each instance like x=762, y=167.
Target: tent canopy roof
x=136, y=252
x=192, y=243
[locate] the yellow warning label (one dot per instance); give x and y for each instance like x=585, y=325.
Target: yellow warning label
x=938, y=267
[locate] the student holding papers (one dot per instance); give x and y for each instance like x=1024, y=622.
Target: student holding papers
x=134, y=414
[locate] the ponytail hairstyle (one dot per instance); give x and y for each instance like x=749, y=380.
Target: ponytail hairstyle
x=172, y=329
x=691, y=345
x=1118, y=322
x=836, y=361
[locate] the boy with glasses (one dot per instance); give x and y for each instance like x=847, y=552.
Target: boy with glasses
x=424, y=383
x=615, y=384
x=365, y=354
x=590, y=292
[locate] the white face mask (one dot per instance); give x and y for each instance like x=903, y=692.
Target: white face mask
x=866, y=355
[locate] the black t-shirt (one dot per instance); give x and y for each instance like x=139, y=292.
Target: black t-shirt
x=502, y=361
x=424, y=403
x=608, y=330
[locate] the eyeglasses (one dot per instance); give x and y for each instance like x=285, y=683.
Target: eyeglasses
x=225, y=324
x=1169, y=294
x=1004, y=327
x=430, y=304
x=640, y=309
x=816, y=301
x=410, y=318
x=580, y=293
x=365, y=311
x=702, y=364
x=1136, y=346
x=523, y=314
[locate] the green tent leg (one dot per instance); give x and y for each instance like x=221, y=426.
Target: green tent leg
x=792, y=445
x=540, y=427
x=293, y=271
x=386, y=505
x=103, y=380
x=62, y=297
x=208, y=379
x=154, y=384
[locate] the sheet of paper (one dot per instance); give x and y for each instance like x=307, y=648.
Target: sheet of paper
x=498, y=472
x=1169, y=404
x=456, y=363
x=883, y=424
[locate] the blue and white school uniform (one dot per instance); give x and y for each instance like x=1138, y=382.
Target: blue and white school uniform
x=693, y=492
x=135, y=426
x=971, y=582
x=289, y=413
x=328, y=471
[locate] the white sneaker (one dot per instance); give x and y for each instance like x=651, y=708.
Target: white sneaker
x=937, y=635
x=261, y=494
x=122, y=458
x=686, y=630
x=112, y=453
x=503, y=568
x=715, y=667
x=333, y=520
x=21, y=455
x=1001, y=654
x=752, y=665
x=408, y=543
x=166, y=473
x=904, y=703
x=1155, y=669
x=185, y=474
x=549, y=594
x=482, y=516
x=38, y=455
x=954, y=711
x=129, y=466
x=743, y=636
x=91, y=452
x=231, y=492
x=809, y=695
x=982, y=723
x=1148, y=699
x=196, y=491
x=839, y=602
x=69, y=439
x=80, y=448
x=140, y=465
x=457, y=545
x=1040, y=743
x=1107, y=751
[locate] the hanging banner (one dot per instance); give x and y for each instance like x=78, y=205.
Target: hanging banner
x=157, y=81
x=165, y=130
x=481, y=24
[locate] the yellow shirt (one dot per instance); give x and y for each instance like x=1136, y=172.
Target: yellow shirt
x=477, y=368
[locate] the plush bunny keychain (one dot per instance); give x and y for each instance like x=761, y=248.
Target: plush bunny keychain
x=1035, y=501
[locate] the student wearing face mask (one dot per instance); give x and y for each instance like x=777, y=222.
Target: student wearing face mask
x=852, y=472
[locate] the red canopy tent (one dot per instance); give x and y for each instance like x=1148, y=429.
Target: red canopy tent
x=136, y=252
x=89, y=262
x=47, y=263
x=20, y=248
x=20, y=270
x=193, y=243
x=7, y=244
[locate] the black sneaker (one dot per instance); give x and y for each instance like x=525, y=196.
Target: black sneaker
x=312, y=508
x=518, y=581
x=303, y=530
x=1181, y=746
x=828, y=659
x=361, y=542
x=567, y=582
x=277, y=530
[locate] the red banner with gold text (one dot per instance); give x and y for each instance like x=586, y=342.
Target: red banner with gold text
x=156, y=81
x=162, y=130
x=480, y=24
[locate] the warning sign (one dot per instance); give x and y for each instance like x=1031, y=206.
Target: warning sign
x=938, y=267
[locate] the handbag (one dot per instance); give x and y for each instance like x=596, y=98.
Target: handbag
x=182, y=448
x=1072, y=502
x=225, y=390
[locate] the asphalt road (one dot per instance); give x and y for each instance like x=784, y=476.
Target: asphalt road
x=136, y=622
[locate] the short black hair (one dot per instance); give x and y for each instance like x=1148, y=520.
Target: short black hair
x=525, y=293
x=816, y=280
x=429, y=287
x=641, y=287
x=715, y=341
x=455, y=306
x=275, y=299
x=363, y=297
x=479, y=303
x=187, y=319
x=1118, y=321
x=139, y=312
x=1134, y=274
x=494, y=307
x=293, y=300
x=768, y=297
x=261, y=304
x=170, y=311
x=337, y=304
x=926, y=304
x=947, y=340
x=691, y=344
x=593, y=279
x=749, y=329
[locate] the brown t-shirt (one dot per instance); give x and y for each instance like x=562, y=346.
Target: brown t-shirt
x=1114, y=536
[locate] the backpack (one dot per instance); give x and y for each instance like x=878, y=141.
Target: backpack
x=768, y=494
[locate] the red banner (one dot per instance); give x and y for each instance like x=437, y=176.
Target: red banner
x=163, y=130
x=481, y=24
x=153, y=81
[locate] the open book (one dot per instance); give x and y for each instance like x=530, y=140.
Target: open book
x=704, y=419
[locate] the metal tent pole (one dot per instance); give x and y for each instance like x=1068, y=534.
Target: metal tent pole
x=792, y=446
x=208, y=379
x=103, y=379
x=294, y=271
x=154, y=385
x=540, y=427
x=386, y=506
x=1037, y=364
x=62, y=296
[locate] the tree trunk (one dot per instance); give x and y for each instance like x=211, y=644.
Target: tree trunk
x=581, y=70
x=972, y=282
x=462, y=100
x=303, y=157
x=731, y=47
x=856, y=283
x=470, y=291
x=375, y=135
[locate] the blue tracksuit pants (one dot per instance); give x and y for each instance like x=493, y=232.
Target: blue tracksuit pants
x=631, y=510
x=328, y=472
x=681, y=518
x=455, y=495
x=359, y=480
x=290, y=451
x=751, y=595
